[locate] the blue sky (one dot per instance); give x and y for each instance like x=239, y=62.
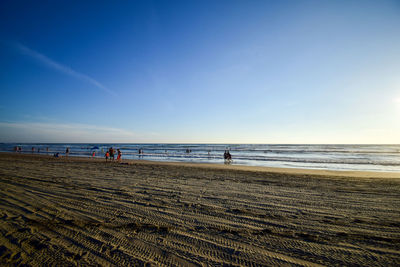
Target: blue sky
x=200, y=71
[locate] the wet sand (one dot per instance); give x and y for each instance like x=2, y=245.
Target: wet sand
x=77, y=211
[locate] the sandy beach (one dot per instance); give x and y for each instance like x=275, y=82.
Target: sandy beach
x=78, y=211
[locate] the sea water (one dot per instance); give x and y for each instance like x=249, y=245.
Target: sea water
x=329, y=157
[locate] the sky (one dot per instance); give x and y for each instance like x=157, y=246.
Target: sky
x=288, y=72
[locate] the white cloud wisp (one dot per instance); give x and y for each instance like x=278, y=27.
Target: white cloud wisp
x=60, y=67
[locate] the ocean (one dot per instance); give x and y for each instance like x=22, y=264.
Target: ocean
x=329, y=157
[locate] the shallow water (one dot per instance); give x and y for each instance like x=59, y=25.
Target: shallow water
x=331, y=157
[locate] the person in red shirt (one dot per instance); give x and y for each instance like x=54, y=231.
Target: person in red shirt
x=119, y=155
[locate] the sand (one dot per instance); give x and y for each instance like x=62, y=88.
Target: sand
x=76, y=211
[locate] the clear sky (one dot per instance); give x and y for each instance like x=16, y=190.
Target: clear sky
x=200, y=71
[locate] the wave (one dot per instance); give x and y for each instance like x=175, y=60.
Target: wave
x=199, y=156
x=330, y=156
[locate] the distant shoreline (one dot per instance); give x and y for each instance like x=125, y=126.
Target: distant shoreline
x=299, y=171
x=322, y=157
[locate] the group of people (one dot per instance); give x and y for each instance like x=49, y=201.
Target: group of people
x=33, y=150
x=19, y=149
x=57, y=155
x=227, y=156
x=110, y=154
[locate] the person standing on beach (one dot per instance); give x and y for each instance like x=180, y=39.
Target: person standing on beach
x=227, y=157
x=111, y=150
x=119, y=155
x=107, y=155
x=67, y=152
